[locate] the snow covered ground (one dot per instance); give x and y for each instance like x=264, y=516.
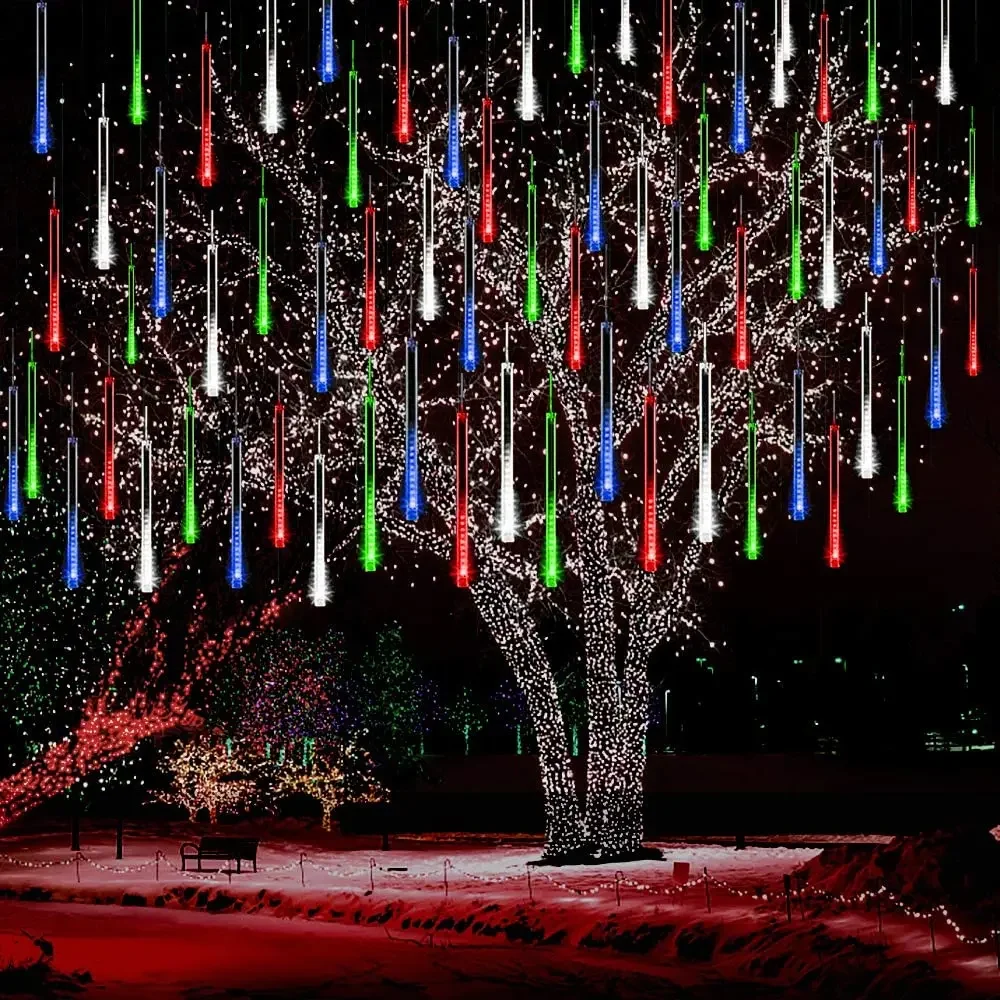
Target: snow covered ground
x=325, y=917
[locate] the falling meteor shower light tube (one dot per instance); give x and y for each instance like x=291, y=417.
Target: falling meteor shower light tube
x=370, y=324
x=137, y=104
x=412, y=501
x=320, y=588
x=867, y=462
x=109, y=491
x=263, y=319
x=574, y=342
x=902, y=499
x=829, y=291
x=798, y=503
x=147, y=572
x=787, y=41
x=796, y=282
x=912, y=220
x=877, y=259
x=470, y=338
x=705, y=237
x=206, y=161
x=352, y=185
x=462, y=564
x=428, y=292
x=189, y=526
x=649, y=543
x=507, y=519
x=404, y=114
x=328, y=66
x=103, y=254
x=551, y=568
x=873, y=107
x=741, y=354
x=212, y=378
x=739, y=136
x=161, y=303
x=705, y=525
x=972, y=361
x=528, y=101
x=576, y=59
x=454, y=170
x=972, y=209
x=370, y=556
x=606, y=482
x=643, y=277
x=55, y=280
x=321, y=361
x=834, y=545
x=279, y=521
x=936, y=414
x=677, y=333
x=668, y=96
x=532, y=296
x=752, y=541
x=271, y=116
x=41, y=136
x=131, y=335
x=626, y=49
x=12, y=500
x=73, y=564
x=946, y=82
x=32, y=479
x=595, y=221
x=487, y=215
x=779, y=91
x=237, y=567
x=823, y=108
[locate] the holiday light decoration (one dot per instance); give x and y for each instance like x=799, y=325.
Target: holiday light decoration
x=751, y=539
x=532, y=296
x=73, y=562
x=352, y=185
x=320, y=588
x=147, y=568
x=787, y=40
x=626, y=47
x=454, y=169
x=370, y=334
x=103, y=251
x=972, y=358
x=272, y=118
x=370, y=555
x=32, y=478
x=972, y=203
x=470, y=337
x=935, y=412
x=829, y=292
x=404, y=115
x=237, y=573
x=877, y=258
x=823, y=107
x=109, y=487
x=873, y=106
x=131, y=331
x=741, y=353
x=739, y=136
x=668, y=95
x=606, y=479
x=328, y=66
x=161, y=302
x=643, y=275
x=834, y=541
x=206, y=159
x=137, y=101
x=796, y=282
x=189, y=525
x=428, y=293
x=574, y=340
x=705, y=237
x=902, y=498
x=213, y=380
x=12, y=495
x=462, y=569
x=41, y=134
x=912, y=220
x=279, y=517
x=705, y=510
x=487, y=214
x=798, y=503
x=649, y=540
x=552, y=562
x=263, y=318
x=677, y=338
x=946, y=83
x=779, y=94
x=528, y=101
x=411, y=503
x=55, y=276
x=576, y=60
x=866, y=462
x=507, y=512
x=595, y=218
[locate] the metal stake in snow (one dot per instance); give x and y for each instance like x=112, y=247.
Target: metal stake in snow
x=447, y=865
x=708, y=895
x=371, y=873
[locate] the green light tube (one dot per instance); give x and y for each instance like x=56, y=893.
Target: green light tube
x=872, y=107
x=32, y=480
x=902, y=500
x=137, y=104
x=551, y=557
x=532, y=297
x=972, y=209
x=752, y=542
x=189, y=526
x=263, y=321
x=577, y=59
x=796, y=283
x=370, y=556
x=131, y=339
x=352, y=187
x=705, y=236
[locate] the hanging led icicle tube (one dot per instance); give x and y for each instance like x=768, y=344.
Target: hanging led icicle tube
x=12, y=498
x=787, y=42
x=189, y=526
x=902, y=499
x=626, y=49
x=576, y=59
x=823, y=108
x=462, y=570
x=161, y=303
x=752, y=540
x=320, y=588
x=873, y=107
x=470, y=337
x=279, y=520
x=55, y=277
x=528, y=100
x=972, y=206
x=643, y=277
x=263, y=317
x=103, y=254
x=828, y=291
x=328, y=67
x=877, y=258
x=741, y=352
x=606, y=480
x=739, y=136
x=866, y=462
x=321, y=359
x=147, y=571
x=352, y=185
x=705, y=237
x=507, y=514
x=574, y=341
x=935, y=414
x=212, y=378
x=137, y=103
x=271, y=115
x=428, y=292
x=487, y=213
x=796, y=282
x=131, y=332
x=73, y=563
x=779, y=91
x=705, y=517
x=412, y=501
x=677, y=331
x=369, y=321
x=370, y=555
x=946, y=82
x=237, y=572
x=649, y=541
x=532, y=296
x=41, y=136
x=454, y=171
x=912, y=220
x=798, y=503
x=595, y=220
x=552, y=567
x=972, y=360
x=206, y=160
x=834, y=543
x=109, y=490
x=668, y=96
x=32, y=479
x=404, y=113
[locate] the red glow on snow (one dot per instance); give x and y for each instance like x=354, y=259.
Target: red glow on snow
x=649, y=544
x=487, y=218
x=742, y=352
x=404, y=116
x=972, y=362
x=823, y=110
x=668, y=96
x=369, y=330
x=55, y=316
x=574, y=343
x=206, y=162
x=462, y=568
x=109, y=494
x=279, y=526
x=834, y=545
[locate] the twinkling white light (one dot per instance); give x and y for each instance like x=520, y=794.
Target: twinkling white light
x=271, y=115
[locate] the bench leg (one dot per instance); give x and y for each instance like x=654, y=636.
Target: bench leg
x=237, y=866
x=255, y=865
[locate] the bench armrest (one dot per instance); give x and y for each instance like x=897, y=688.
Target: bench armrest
x=197, y=849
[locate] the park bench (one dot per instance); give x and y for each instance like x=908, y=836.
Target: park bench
x=220, y=849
